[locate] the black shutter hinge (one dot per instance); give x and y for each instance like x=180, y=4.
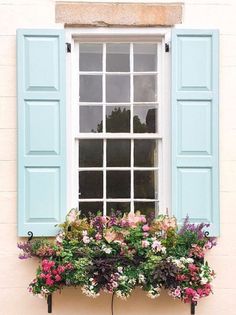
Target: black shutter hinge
x=68, y=47
x=167, y=47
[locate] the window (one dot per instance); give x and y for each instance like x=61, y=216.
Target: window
x=50, y=133
x=118, y=139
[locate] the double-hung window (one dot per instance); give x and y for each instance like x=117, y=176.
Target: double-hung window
x=118, y=85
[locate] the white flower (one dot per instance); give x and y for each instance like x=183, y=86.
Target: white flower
x=84, y=233
x=120, y=269
x=122, y=295
x=141, y=278
x=204, y=280
x=107, y=250
x=178, y=263
x=86, y=239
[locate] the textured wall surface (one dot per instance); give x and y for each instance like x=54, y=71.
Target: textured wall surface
x=15, y=275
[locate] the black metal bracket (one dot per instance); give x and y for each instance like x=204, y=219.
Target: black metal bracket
x=167, y=47
x=49, y=302
x=193, y=305
x=68, y=47
x=31, y=234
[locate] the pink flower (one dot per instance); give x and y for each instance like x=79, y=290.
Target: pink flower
x=42, y=276
x=72, y=215
x=146, y=228
x=192, y=268
x=98, y=236
x=58, y=278
x=156, y=245
x=177, y=292
x=86, y=239
x=60, y=269
x=145, y=244
x=49, y=281
x=47, y=265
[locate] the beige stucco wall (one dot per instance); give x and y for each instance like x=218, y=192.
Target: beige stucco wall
x=15, y=274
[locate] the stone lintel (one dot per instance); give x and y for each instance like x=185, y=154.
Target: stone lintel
x=118, y=14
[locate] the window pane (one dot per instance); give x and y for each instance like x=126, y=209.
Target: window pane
x=118, y=58
x=147, y=208
x=90, y=207
x=90, y=153
x=145, y=88
x=117, y=88
x=90, y=184
x=90, y=58
x=145, y=119
x=145, y=153
x=90, y=119
x=118, y=184
x=90, y=88
x=145, y=57
x=118, y=119
x=144, y=184
x=118, y=207
x=118, y=152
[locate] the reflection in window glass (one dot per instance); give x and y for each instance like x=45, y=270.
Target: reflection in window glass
x=118, y=184
x=145, y=153
x=90, y=184
x=117, y=88
x=90, y=119
x=145, y=119
x=90, y=58
x=145, y=57
x=117, y=58
x=147, y=208
x=144, y=184
x=145, y=88
x=118, y=207
x=90, y=153
x=118, y=119
x=118, y=152
x=118, y=124
x=90, y=88
x=88, y=208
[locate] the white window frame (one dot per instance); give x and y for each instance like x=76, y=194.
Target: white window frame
x=130, y=34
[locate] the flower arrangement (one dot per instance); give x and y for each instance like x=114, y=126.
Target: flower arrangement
x=117, y=253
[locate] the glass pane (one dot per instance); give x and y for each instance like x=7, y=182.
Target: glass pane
x=144, y=184
x=90, y=153
x=145, y=88
x=118, y=152
x=90, y=58
x=118, y=184
x=90, y=88
x=117, y=88
x=145, y=153
x=118, y=207
x=145, y=57
x=118, y=58
x=90, y=119
x=90, y=207
x=118, y=119
x=147, y=208
x=145, y=119
x=90, y=184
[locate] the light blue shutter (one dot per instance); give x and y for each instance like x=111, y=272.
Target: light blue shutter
x=41, y=131
x=195, y=180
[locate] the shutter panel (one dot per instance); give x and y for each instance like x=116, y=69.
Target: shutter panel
x=41, y=131
x=195, y=182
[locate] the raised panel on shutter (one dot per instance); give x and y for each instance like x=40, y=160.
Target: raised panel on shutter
x=41, y=131
x=195, y=179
